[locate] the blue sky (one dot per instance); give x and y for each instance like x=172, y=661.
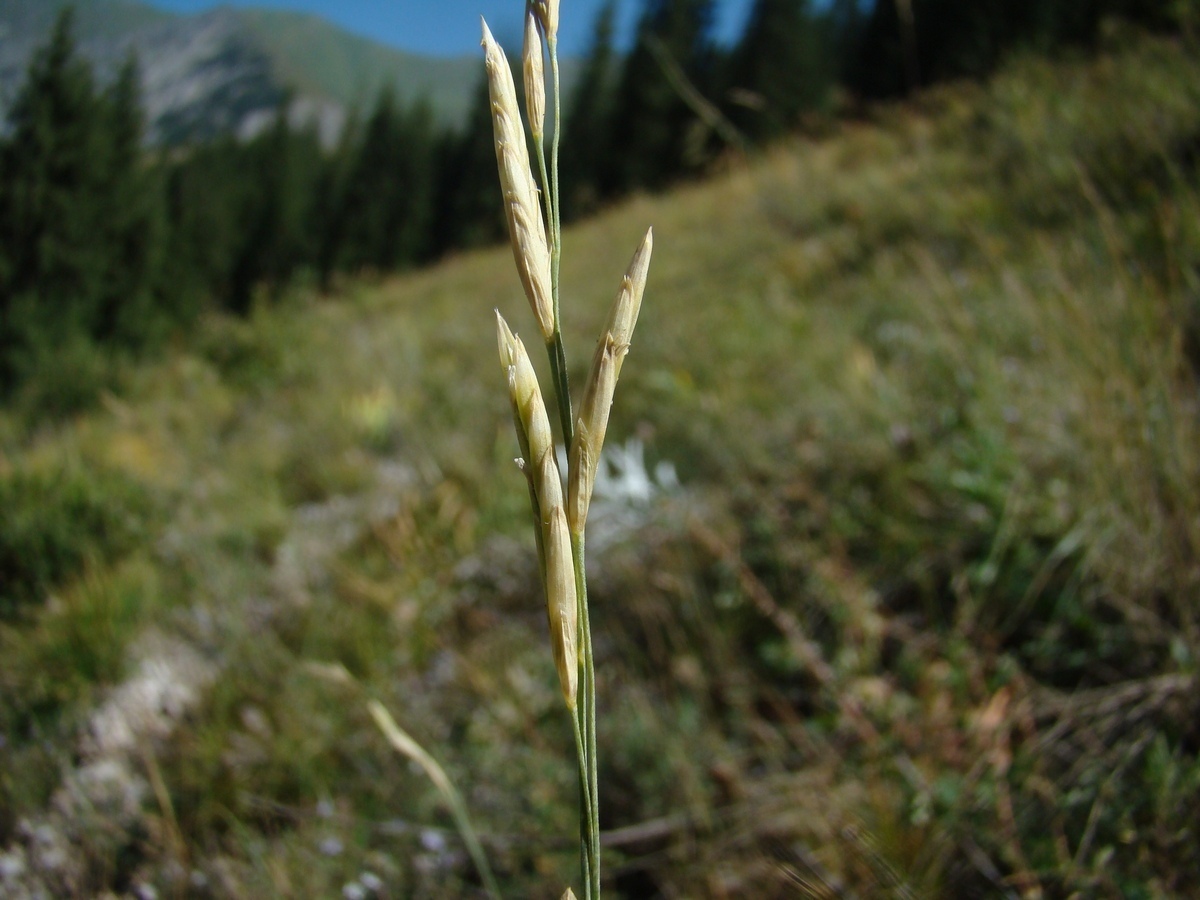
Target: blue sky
x=451, y=27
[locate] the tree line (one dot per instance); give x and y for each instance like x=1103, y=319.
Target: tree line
x=105, y=243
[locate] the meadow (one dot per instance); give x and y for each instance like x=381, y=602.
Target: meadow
x=893, y=586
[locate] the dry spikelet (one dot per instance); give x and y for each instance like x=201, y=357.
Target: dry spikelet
x=592, y=422
x=568, y=894
x=547, y=15
x=561, y=603
x=535, y=79
x=554, y=544
x=507, y=341
x=526, y=395
x=624, y=313
x=526, y=228
x=590, y=428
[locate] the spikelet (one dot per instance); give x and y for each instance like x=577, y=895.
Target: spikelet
x=562, y=607
x=568, y=894
x=526, y=228
x=553, y=538
x=547, y=16
x=533, y=425
x=624, y=313
x=533, y=68
x=506, y=340
x=592, y=422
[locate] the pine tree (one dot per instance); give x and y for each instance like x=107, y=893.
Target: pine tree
x=207, y=198
x=284, y=166
x=386, y=204
x=659, y=136
x=952, y=39
x=469, y=210
x=76, y=226
x=133, y=234
x=587, y=125
x=51, y=262
x=778, y=69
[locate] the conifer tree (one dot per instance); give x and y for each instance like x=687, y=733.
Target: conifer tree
x=587, y=126
x=955, y=39
x=51, y=264
x=133, y=235
x=283, y=167
x=387, y=201
x=659, y=135
x=76, y=229
x=468, y=210
x=778, y=69
x=207, y=198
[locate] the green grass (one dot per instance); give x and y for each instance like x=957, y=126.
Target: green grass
x=922, y=616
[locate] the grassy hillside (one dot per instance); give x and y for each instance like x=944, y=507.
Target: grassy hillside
x=917, y=616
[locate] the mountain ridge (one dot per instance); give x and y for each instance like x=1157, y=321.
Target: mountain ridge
x=228, y=70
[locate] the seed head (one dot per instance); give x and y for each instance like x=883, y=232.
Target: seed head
x=592, y=422
x=547, y=15
x=562, y=608
x=624, y=313
x=507, y=341
x=526, y=228
x=535, y=78
x=590, y=428
x=533, y=425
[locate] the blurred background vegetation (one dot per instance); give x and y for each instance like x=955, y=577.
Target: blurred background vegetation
x=896, y=594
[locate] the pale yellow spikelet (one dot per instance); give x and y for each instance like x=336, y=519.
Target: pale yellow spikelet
x=568, y=894
x=624, y=313
x=547, y=13
x=592, y=422
x=507, y=341
x=554, y=543
x=590, y=428
x=526, y=396
x=526, y=228
x=562, y=607
x=533, y=68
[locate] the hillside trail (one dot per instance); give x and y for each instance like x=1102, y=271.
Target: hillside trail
x=112, y=794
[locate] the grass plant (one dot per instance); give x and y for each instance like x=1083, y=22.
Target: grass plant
x=920, y=619
x=535, y=234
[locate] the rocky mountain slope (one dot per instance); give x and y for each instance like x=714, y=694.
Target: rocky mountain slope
x=228, y=70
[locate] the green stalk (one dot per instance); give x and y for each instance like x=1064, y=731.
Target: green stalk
x=551, y=200
x=584, y=717
x=587, y=709
x=562, y=388
x=554, y=348
x=556, y=227
x=585, y=814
